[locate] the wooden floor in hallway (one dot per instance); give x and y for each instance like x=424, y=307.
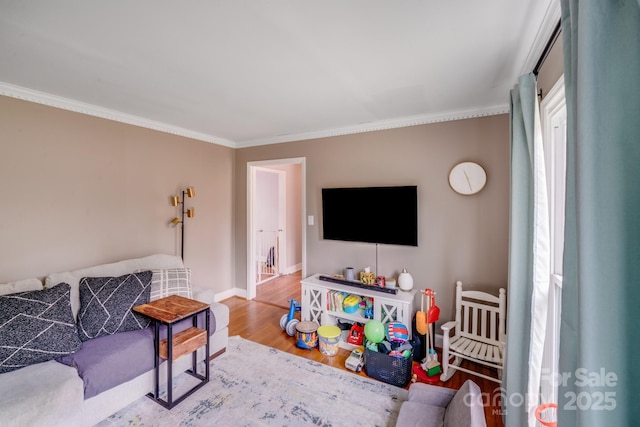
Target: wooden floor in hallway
x=279, y=290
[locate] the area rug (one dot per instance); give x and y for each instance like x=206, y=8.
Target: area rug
x=256, y=385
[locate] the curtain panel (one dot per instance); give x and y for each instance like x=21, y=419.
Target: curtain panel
x=529, y=258
x=600, y=326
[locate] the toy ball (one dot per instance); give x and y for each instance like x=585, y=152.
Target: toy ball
x=397, y=332
x=374, y=331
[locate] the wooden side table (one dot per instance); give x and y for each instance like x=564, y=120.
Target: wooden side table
x=168, y=311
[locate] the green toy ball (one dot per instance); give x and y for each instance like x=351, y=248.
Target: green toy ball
x=374, y=331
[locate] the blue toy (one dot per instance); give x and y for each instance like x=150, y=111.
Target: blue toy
x=288, y=321
x=366, y=305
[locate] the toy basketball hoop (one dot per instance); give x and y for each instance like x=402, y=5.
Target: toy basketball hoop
x=550, y=409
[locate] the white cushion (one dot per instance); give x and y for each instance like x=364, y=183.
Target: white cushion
x=170, y=281
x=44, y=394
x=20, y=286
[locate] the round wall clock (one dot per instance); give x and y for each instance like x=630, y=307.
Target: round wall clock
x=467, y=178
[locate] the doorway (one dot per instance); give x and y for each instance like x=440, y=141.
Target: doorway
x=269, y=220
x=276, y=233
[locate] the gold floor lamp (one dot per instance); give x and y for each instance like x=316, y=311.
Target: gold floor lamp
x=175, y=201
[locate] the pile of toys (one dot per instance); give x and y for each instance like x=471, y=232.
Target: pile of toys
x=388, y=354
x=375, y=343
x=391, y=339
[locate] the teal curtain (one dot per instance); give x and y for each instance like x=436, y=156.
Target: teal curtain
x=528, y=257
x=600, y=327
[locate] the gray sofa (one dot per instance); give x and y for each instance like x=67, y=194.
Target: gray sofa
x=428, y=405
x=53, y=393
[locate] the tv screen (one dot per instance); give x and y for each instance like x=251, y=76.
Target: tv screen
x=387, y=215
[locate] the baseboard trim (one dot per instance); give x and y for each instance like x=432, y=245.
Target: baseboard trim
x=438, y=340
x=233, y=292
x=292, y=269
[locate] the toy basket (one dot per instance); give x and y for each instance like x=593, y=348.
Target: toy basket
x=391, y=370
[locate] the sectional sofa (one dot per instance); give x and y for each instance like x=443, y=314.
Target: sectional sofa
x=105, y=366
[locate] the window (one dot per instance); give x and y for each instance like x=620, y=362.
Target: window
x=554, y=128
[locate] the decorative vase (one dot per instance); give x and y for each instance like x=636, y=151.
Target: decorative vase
x=405, y=280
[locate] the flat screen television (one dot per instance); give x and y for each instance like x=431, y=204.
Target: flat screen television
x=387, y=215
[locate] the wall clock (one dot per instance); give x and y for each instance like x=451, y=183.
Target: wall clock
x=467, y=178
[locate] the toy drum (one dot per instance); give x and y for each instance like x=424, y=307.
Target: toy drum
x=307, y=335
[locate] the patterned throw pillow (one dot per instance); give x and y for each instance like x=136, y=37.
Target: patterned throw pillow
x=36, y=326
x=106, y=303
x=172, y=281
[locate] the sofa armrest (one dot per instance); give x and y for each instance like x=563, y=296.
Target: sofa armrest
x=466, y=408
x=427, y=394
x=219, y=310
x=207, y=296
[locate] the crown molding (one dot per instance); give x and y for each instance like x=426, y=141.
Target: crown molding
x=55, y=101
x=416, y=120
x=549, y=22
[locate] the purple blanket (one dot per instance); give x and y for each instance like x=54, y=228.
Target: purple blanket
x=108, y=361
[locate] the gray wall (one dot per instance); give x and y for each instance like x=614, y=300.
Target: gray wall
x=77, y=190
x=460, y=237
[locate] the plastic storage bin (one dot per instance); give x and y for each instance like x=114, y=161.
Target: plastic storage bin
x=328, y=339
x=391, y=370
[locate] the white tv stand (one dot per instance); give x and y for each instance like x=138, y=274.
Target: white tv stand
x=386, y=307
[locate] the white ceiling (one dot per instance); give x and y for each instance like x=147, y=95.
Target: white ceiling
x=252, y=72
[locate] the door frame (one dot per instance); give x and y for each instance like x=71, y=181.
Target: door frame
x=252, y=167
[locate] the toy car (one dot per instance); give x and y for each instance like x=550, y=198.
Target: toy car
x=355, y=361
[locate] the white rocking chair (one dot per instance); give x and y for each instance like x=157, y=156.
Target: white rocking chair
x=479, y=333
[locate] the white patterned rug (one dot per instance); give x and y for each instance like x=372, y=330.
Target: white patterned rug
x=255, y=385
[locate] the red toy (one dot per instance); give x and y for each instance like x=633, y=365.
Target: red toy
x=422, y=376
x=356, y=334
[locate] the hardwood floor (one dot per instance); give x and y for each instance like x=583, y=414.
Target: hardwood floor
x=279, y=290
x=259, y=321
